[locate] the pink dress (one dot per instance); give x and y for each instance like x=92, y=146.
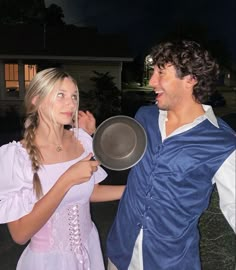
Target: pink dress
x=69, y=240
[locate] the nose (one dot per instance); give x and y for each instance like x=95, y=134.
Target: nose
x=71, y=102
x=154, y=80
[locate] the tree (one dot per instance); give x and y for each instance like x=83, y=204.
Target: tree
x=105, y=100
x=54, y=15
x=30, y=11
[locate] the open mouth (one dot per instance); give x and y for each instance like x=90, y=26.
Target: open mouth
x=159, y=93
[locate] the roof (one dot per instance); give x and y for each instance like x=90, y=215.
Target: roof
x=66, y=41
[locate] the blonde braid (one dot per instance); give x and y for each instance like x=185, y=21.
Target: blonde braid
x=31, y=124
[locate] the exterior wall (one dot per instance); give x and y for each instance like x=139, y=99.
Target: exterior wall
x=8, y=106
x=2, y=82
x=82, y=72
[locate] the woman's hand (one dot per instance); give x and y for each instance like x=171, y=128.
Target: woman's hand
x=87, y=122
x=81, y=171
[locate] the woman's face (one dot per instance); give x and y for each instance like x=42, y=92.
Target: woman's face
x=61, y=104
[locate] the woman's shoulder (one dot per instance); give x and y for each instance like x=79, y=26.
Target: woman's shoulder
x=7, y=151
x=14, y=159
x=84, y=138
x=13, y=151
x=82, y=135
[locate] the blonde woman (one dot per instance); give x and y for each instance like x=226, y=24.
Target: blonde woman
x=47, y=181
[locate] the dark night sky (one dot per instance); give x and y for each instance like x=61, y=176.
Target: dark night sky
x=148, y=21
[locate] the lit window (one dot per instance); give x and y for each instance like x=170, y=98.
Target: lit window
x=30, y=71
x=11, y=80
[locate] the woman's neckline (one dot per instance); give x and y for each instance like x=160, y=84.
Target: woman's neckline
x=50, y=164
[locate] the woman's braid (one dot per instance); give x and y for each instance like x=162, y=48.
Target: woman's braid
x=31, y=124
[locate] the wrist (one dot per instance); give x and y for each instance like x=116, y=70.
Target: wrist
x=92, y=132
x=64, y=183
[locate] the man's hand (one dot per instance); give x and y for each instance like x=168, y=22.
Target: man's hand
x=87, y=122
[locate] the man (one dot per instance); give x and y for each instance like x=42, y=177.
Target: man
x=188, y=151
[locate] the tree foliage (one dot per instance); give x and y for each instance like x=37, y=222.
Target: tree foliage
x=28, y=11
x=104, y=100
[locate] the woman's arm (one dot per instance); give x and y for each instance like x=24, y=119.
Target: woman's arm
x=24, y=228
x=104, y=193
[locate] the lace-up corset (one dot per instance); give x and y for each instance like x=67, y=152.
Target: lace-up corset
x=67, y=231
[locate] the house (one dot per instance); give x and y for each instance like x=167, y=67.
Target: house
x=26, y=49
x=230, y=76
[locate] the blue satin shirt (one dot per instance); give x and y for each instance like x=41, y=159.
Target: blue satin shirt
x=166, y=193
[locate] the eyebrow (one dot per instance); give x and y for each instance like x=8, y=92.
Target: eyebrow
x=62, y=90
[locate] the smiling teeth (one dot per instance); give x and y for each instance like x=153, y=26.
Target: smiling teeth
x=158, y=91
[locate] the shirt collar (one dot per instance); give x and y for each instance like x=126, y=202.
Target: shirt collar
x=209, y=115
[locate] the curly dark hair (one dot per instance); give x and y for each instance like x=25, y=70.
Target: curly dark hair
x=189, y=58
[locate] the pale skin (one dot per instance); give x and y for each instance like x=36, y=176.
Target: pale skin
x=48, y=134
x=175, y=96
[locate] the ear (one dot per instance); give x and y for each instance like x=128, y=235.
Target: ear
x=34, y=100
x=190, y=80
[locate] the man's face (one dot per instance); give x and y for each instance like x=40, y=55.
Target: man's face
x=169, y=88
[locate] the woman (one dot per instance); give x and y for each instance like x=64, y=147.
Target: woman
x=48, y=180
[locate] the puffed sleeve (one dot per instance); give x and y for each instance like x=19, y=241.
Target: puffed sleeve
x=16, y=188
x=87, y=143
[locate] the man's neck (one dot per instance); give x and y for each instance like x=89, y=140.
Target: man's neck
x=176, y=119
